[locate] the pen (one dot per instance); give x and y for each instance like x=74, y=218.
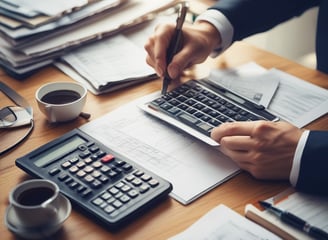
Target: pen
x=296, y=222
x=175, y=42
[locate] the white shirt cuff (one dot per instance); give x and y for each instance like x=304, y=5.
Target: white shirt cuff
x=293, y=177
x=221, y=23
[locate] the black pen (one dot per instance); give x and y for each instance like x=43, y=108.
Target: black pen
x=296, y=222
x=175, y=43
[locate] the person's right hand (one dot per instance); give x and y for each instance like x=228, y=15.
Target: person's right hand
x=199, y=40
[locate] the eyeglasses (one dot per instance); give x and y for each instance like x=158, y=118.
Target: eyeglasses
x=15, y=117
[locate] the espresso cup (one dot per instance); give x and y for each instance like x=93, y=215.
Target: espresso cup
x=36, y=203
x=61, y=101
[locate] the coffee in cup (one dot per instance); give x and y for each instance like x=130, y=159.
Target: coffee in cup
x=36, y=203
x=61, y=101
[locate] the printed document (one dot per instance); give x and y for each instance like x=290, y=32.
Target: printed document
x=292, y=99
x=223, y=223
x=192, y=166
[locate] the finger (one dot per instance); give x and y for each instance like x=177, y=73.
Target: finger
x=239, y=157
x=162, y=38
x=233, y=129
x=238, y=143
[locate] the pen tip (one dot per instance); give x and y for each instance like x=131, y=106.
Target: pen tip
x=265, y=204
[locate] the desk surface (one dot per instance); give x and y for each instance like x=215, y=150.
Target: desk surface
x=169, y=217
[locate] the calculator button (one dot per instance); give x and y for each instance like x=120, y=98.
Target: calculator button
x=54, y=171
x=126, y=167
x=96, y=184
x=107, y=158
x=66, y=164
x=133, y=193
x=69, y=180
x=96, y=174
x=88, y=160
x=97, y=164
x=74, y=160
x=138, y=173
x=101, y=154
x=73, y=185
x=129, y=178
x=125, y=199
x=62, y=176
x=82, y=148
x=118, y=195
x=143, y=188
x=88, y=169
x=106, y=196
x=84, y=154
x=120, y=185
x=104, y=169
x=89, y=178
x=97, y=201
x=112, y=174
x=73, y=169
x=81, y=173
x=103, y=179
x=113, y=190
x=117, y=204
x=81, y=188
x=109, y=209
x=86, y=192
x=80, y=164
x=94, y=149
x=153, y=183
x=136, y=182
x=146, y=177
x=125, y=188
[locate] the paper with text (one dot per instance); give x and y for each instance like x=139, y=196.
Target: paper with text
x=243, y=80
x=192, y=166
x=293, y=100
x=223, y=223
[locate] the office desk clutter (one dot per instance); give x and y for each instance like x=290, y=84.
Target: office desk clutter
x=25, y=47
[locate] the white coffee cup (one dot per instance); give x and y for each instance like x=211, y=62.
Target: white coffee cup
x=36, y=203
x=61, y=101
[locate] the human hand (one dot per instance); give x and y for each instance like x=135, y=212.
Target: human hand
x=264, y=149
x=199, y=40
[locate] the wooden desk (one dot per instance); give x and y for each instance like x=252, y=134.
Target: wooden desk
x=169, y=217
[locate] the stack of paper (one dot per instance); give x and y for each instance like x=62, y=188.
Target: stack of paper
x=115, y=62
x=35, y=32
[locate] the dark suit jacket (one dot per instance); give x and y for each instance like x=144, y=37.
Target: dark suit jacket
x=253, y=16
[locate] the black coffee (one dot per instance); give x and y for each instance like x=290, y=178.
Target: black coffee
x=61, y=97
x=35, y=196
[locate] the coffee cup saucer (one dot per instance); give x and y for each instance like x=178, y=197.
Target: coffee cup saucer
x=16, y=226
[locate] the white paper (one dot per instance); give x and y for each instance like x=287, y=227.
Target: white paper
x=297, y=101
x=311, y=208
x=244, y=80
x=127, y=14
x=111, y=60
x=50, y=7
x=223, y=223
x=191, y=166
x=294, y=100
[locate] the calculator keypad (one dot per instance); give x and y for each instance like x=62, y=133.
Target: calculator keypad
x=111, y=184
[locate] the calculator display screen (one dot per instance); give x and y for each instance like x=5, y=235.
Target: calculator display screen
x=234, y=97
x=58, y=150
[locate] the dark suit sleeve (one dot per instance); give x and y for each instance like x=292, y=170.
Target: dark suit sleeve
x=254, y=16
x=313, y=175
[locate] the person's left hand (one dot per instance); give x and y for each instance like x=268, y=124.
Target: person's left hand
x=264, y=149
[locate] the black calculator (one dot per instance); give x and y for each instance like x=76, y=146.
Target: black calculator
x=101, y=182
